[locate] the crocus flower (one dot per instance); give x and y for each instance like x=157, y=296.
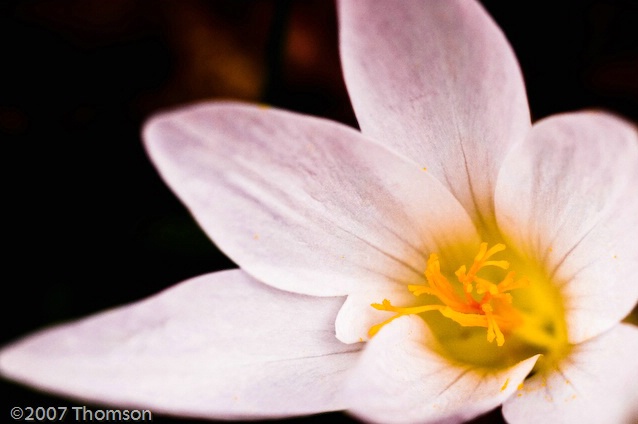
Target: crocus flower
x=448, y=258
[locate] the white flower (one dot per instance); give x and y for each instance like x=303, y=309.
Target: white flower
x=424, y=214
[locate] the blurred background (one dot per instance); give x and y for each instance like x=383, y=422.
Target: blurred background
x=88, y=222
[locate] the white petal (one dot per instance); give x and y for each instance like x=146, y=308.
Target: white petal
x=437, y=81
x=596, y=384
x=568, y=197
x=220, y=346
x=401, y=378
x=303, y=204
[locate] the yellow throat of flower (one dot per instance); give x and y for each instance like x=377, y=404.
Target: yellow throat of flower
x=524, y=308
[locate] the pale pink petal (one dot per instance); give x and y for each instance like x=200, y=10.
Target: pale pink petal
x=401, y=378
x=221, y=346
x=356, y=316
x=301, y=203
x=568, y=197
x=437, y=81
x=596, y=384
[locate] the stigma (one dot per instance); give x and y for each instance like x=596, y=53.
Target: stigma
x=473, y=301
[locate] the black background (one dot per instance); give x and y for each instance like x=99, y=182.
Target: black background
x=89, y=224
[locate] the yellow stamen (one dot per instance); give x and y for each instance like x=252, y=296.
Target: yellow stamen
x=491, y=308
x=387, y=306
x=492, y=328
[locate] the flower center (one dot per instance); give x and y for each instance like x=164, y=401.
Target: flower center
x=485, y=304
x=487, y=298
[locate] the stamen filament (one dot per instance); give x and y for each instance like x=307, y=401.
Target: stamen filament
x=492, y=328
x=401, y=311
x=387, y=306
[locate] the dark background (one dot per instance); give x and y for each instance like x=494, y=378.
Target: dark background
x=88, y=224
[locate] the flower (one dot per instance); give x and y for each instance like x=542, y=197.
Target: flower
x=497, y=256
